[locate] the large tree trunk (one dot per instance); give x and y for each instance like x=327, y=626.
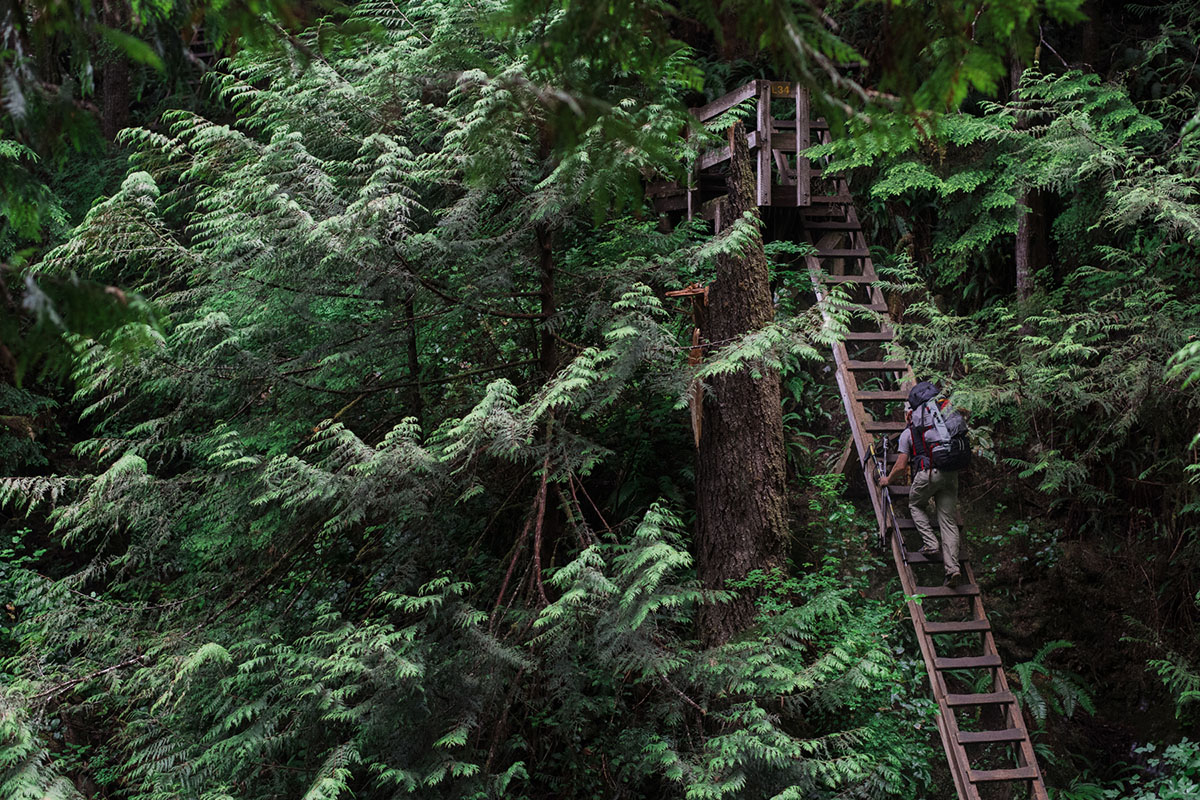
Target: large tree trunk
x=740, y=499
x=114, y=75
x=1090, y=44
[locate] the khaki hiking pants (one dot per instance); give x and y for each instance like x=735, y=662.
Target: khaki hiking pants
x=942, y=488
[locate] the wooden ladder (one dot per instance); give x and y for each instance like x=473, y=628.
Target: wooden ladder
x=978, y=716
x=983, y=732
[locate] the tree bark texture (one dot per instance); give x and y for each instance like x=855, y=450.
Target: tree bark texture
x=414, y=360
x=548, y=350
x=741, y=520
x=1022, y=252
x=114, y=75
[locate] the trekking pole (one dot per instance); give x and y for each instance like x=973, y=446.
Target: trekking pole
x=888, y=513
x=880, y=471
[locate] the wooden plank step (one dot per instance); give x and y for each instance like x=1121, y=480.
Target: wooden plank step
x=986, y=699
x=878, y=366
x=901, y=490
x=833, y=225
x=873, y=336
x=984, y=737
x=966, y=590
x=896, y=394
x=905, y=523
x=961, y=626
x=884, y=426
x=785, y=197
x=993, y=775
x=840, y=253
x=664, y=204
x=664, y=188
x=830, y=199
x=850, y=278
x=967, y=662
x=825, y=210
x=917, y=557
x=816, y=124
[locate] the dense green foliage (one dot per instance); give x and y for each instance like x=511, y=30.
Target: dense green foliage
x=344, y=410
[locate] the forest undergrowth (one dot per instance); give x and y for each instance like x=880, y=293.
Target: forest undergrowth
x=347, y=427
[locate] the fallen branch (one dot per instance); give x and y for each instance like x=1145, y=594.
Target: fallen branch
x=90, y=676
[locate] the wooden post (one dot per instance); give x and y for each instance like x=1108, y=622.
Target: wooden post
x=803, y=167
x=764, y=143
x=693, y=180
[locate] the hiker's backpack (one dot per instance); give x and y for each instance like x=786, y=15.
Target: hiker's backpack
x=939, y=432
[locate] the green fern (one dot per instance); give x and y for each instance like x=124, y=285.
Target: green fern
x=1045, y=690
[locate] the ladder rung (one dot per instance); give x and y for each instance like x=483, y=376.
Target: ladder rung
x=893, y=395
x=855, y=252
x=986, y=699
x=833, y=225
x=967, y=662
x=917, y=557
x=881, y=366
x=962, y=626
x=1014, y=774
x=816, y=124
x=902, y=489
x=982, y=737
x=905, y=523
x=830, y=199
x=966, y=590
x=873, y=336
x=822, y=210
x=884, y=426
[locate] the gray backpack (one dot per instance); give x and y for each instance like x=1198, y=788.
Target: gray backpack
x=942, y=439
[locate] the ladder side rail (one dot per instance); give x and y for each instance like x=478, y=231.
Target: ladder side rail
x=955, y=755
x=1013, y=716
x=803, y=137
x=846, y=388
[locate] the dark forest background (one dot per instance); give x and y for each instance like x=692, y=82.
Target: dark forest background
x=345, y=421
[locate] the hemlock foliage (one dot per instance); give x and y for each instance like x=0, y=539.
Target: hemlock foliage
x=300, y=556
x=372, y=475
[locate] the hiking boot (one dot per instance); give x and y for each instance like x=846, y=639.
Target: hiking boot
x=953, y=580
x=931, y=552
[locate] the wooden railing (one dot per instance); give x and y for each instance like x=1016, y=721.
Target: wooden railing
x=783, y=176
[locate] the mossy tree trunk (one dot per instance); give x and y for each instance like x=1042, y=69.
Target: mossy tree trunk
x=741, y=521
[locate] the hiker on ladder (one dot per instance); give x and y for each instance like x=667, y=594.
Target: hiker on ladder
x=936, y=475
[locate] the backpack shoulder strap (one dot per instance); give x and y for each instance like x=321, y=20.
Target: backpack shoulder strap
x=939, y=421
